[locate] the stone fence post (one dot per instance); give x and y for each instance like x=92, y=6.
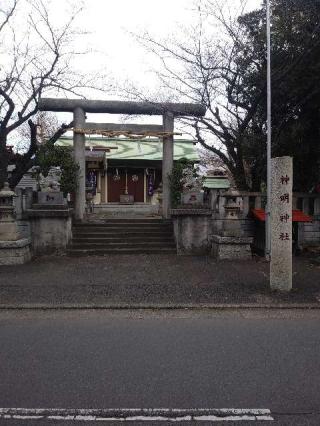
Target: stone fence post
x=18, y=203
x=28, y=198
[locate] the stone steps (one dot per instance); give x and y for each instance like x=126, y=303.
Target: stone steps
x=128, y=221
x=124, y=244
x=136, y=228
x=122, y=236
x=104, y=251
x=116, y=209
x=118, y=239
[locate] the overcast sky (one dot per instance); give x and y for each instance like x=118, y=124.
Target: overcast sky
x=107, y=27
x=109, y=24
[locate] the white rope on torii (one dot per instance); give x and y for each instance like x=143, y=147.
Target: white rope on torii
x=135, y=135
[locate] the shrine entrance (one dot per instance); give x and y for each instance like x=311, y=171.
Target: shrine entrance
x=126, y=185
x=79, y=108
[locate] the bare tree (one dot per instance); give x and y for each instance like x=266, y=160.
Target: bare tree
x=47, y=124
x=201, y=65
x=36, y=60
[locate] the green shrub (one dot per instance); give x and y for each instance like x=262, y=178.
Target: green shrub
x=56, y=156
x=175, y=180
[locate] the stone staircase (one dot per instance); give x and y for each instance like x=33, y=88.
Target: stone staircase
x=122, y=236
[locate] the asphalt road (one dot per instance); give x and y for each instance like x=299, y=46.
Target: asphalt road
x=187, y=360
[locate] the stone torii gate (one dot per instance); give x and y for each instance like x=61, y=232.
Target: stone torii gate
x=79, y=108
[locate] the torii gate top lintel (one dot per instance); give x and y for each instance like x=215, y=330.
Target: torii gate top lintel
x=122, y=107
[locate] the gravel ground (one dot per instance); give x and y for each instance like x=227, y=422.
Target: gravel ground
x=152, y=279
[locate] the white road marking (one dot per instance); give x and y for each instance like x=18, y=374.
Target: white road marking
x=17, y=416
x=138, y=414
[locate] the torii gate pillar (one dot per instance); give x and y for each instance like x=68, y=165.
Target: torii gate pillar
x=167, y=163
x=79, y=153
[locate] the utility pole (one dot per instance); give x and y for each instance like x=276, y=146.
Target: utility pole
x=268, y=207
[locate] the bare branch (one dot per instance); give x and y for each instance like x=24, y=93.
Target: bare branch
x=9, y=112
x=8, y=14
x=38, y=61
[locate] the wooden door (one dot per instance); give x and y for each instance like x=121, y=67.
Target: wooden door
x=136, y=184
x=116, y=185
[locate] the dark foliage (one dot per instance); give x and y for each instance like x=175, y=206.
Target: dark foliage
x=55, y=156
x=295, y=88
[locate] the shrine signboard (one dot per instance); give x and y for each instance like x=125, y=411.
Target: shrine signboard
x=281, y=224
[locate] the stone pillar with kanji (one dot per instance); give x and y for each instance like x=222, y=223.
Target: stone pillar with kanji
x=281, y=224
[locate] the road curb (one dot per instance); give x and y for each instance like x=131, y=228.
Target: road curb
x=213, y=306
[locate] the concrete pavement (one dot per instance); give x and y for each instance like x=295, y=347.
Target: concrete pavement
x=177, y=359
x=151, y=280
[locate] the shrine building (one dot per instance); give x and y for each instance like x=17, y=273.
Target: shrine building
x=127, y=171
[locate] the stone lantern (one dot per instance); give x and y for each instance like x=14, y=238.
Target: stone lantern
x=8, y=226
x=14, y=250
x=232, y=223
x=231, y=243
x=232, y=208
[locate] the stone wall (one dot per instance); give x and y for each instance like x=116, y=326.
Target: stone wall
x=51, y=230
x=309, y=233
x=194, y=227
x=192, y=230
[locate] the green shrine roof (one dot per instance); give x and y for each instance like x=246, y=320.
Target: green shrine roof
x=131, y=149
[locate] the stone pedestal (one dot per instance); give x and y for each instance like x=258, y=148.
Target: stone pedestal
x=51, y=198
x=8, y=230
x=192, y=228
x=231, y=228
x=51, y=229
x=231, y=247
x=15, y=252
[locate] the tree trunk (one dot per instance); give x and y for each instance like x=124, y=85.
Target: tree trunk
x=239, y=175
x=240, y=181
x=4, y=160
